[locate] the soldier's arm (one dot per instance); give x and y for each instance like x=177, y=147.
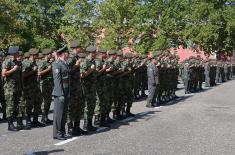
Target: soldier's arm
x=43, y=72
x=6, y=72
x=88, y=72
x=27, y=74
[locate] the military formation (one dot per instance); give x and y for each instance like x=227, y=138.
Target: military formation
x=92, y=84
x=194, y=71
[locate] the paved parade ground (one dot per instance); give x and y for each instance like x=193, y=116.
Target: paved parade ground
x=202, y=123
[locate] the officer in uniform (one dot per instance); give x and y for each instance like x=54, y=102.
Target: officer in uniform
x=11, y=73
x=60, y=93
x=153, y=83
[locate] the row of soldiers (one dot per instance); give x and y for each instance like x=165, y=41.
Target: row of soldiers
x=27, y=82
x=194, y=71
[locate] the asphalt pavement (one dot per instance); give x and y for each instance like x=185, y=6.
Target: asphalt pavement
x=201, y=123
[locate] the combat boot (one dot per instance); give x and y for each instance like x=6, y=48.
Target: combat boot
x=119, y=116
x=90, y=127
x=97, y=120
x=20, y=125
x=36, y=123
x=70, y=130
x=77, y=130
x=103, y=122
x=109, y=120
x=11, y=126
x=128, y=112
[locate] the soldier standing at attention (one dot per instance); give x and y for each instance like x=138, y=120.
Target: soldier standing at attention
x=88, y=79
x=45, y=81
x=186, y=78
x=11, y=72
x=76, y=102
x=2, y=97
x=207, y=74
x=60, y=93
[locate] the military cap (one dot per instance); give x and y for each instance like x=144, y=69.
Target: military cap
x=62, y=50
x=102, y=50
x=119, y=53
x=128, y=55
x=13, y=50
x=47, y=51
x=40, y=55
x=26, y=55
x=91, y=49
x=112, y=52
x=75, y=44
x=21, y=53
x=82, y=55
x=33, y=51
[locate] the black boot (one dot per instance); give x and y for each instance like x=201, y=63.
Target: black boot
x=97, y=120
x=36, y=123
x=103, y=122
x=90, y=127
x=43, y=120
x=70, y=130
x=60, y=136
x=128, y=112
x=11, y=126
x=119, y=116
x=77, y=130
x=20, y=125
x=109, y=120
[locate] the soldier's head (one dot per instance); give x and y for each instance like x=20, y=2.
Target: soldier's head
x=47, y=53
x=91, y=50
x=20, y=56
x=62, y=53
x=112, y=54
x=75, y=45
x=33, y=53
x=119, y=55
x=102, y=53
x=14, y=52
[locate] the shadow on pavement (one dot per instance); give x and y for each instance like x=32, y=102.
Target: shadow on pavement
x=45, y=152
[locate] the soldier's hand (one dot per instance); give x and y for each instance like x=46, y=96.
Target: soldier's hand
x=35, y=68
x=15, y=67
x=78, y=62
x=93, y=67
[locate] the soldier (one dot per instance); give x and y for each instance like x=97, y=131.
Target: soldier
x=88, y=79
x=153, y=83
x=101, y=87
x=207, y=74
x=46, y=84
x=2, y=97
x=11, y=73
x=60, y=93
x=76, y=104
x=32, y=93
x=186, y=78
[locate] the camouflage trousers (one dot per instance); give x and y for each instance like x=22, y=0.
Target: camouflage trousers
x=12, y=98
x=89, y=91
x=2, y=98
x=33, y=98
x=76, y=102
x=109, y=91
x=102, y=100
x=46, y=90
x=128, y=92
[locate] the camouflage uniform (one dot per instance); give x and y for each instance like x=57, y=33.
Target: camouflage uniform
x=2, y=97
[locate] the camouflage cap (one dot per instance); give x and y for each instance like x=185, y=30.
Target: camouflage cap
x=47, y=51
x=102, y=50
x=13, y=50
x=33, y=51
x=40, y=56
x=128, y=55
x=119, y=53
x=91, y=49
x=75, y=43
x=112, y=52
x=26, y=55
x=21, y=53
x=143, y=56
x=82, y=55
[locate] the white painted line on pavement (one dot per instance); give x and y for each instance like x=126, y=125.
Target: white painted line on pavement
x=66, y=141
x=157, y=107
